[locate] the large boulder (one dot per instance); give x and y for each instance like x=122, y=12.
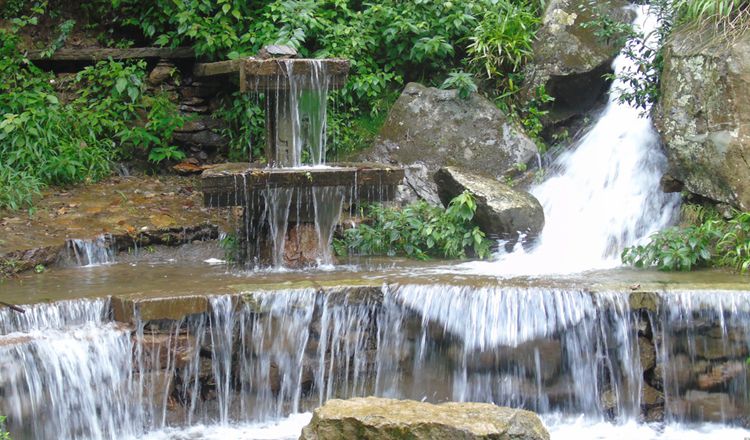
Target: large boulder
x=570, y=60
x=502, y=211
x=388, y=419
x=433, y=128
x=703, y=116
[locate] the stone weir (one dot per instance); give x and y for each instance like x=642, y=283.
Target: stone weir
x=67, y=370
x=291, y=210
x=289, y=214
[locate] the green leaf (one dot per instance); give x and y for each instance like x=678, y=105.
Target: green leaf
x=121, y=84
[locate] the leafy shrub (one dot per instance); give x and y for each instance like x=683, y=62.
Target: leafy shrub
x=245, y=127
x=419, y=231
x=45, y=141
x=713, y=242
x=4, y=435
x=461, y=81
x=504, y=39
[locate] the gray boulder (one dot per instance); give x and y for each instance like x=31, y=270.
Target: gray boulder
x=375, y=418
x=431, y=128
x=570, y=61
x=502, y=211
x=703, y=116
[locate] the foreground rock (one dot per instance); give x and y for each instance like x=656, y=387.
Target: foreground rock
x=435, y=128
x=501, y=210
x=704, y=114
x=569, y=59
x=384, y=419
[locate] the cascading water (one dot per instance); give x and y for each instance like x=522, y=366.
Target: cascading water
x=264, y=355
x=602, y=195
x=299, y=107
x=89, y=253
x=328, y=201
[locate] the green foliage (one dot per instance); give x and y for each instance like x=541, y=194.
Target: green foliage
x=45, y=141
x=696, y=10
x=388, y=43
x=726, y=16
x=231, y=246
x=608, y=29
x=503, y=39
x=64, y=29
x=245, y=127
x=4, y=434
x=713, y=242
x=461, y=81
x=419, y=231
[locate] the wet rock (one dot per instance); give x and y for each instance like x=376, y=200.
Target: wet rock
x=199, y=124
x=703, y=115
x=383, y=419
x=301, y=246
x=719, y=375
x=644, y=300
x=654, y=415
x=27, y=259
x=201, y=139
x=501, y=211
x=434, y=128
x=710, y=348
x=647, y=353
x=704, y=407
x=129, y=310
x=159, y=351
x=157, y=386
x=651, y=397
x=161, y=73
x=569, y=59
x=199, y=90
x=656, y=377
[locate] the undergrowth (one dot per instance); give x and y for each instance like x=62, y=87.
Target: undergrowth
x=711, y=241
x=47, y=141
x=419, y=230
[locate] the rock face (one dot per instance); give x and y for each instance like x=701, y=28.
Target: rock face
x=384, y=419
x=569, y=59
x=435, y=128
x=501, y=210
x=704, y=115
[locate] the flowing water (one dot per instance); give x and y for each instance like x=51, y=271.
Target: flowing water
x=603, y=194
x=256, y=358
x=82, y=252
x=260, y=357
x=299, y=106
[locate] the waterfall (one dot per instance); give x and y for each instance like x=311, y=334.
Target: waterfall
x=540, y=349
x=603, y=194
x=328, y=201
x=91, y=252
x=300, y=107
x=67, y=371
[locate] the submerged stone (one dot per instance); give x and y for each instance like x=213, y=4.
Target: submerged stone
x=501, y=210
x=384, y=419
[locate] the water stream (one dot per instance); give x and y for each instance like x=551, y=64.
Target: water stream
x=603, y=194
x=253, y=364
x=257, y=358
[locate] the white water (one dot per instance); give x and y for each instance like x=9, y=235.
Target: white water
x=602, y=196
x=91, y=252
